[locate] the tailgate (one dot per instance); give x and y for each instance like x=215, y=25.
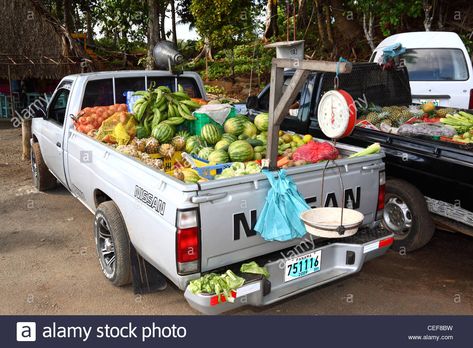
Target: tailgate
x=229, y=208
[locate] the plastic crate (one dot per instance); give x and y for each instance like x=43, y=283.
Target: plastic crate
x=195, y=126
x=204, y=169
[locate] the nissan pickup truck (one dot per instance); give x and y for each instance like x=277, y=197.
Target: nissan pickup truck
x=428, y=181
x=184, y=231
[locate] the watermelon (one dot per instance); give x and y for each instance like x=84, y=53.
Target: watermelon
x=250, y=129
x=194, y=144
x=241, y=151
x=222, y=144
x=218, y=156
x=163, y=133
x=205, y=152
x=234, y=126
x=211, y=133
x=230, y=137
x=261, y=121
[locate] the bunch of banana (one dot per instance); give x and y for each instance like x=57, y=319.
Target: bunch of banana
x=162, y=105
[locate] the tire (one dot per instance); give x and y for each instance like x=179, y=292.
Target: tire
x=112, y=244
x=407, y=216
x=43, y=179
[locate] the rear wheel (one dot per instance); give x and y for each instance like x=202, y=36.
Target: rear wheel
x=43, y=179
x=406, y=215
x=112, y=243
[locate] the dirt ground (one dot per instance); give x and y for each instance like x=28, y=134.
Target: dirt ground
x=48, y=264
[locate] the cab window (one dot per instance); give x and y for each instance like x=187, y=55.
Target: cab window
x=98, y=93
x=124, y=84
x=57, y=108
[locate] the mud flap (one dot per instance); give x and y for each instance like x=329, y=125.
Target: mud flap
x=146, y=278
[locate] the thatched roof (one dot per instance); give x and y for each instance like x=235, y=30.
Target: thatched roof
x=34, y=44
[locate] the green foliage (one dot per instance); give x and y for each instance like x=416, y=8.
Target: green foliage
x=214, y=90
x=224, y=22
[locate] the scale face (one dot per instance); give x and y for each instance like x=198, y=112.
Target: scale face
x=336, y=114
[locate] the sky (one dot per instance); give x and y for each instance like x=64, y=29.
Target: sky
x=183, y=31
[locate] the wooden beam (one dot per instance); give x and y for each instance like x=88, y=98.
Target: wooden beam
x=275, y=92
x=290, y=94
x=314, y=65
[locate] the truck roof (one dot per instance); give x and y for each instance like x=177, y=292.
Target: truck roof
x=424, y=39
x=128, y=73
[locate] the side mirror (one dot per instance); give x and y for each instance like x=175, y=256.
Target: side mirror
x=252, y=102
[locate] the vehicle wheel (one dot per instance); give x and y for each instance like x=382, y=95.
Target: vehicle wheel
x=113, y=244
x=406, y=215
x=43, y=179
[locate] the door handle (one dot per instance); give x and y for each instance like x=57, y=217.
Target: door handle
x=58, y=144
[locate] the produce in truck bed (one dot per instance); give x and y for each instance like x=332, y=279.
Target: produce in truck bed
x=234, y=126
x=152, y=145
x=194, y=143
x=167, y=150
x=241, y=151
x=218, y=157
x=230, y=137
x=91, y=118
x=426, y=129
x=222, y=145
x=249, y=129
x=316, y=151
x=261, y=121
x=211, y=133
x=163, y=132
x=462, y=121
x=205, y=152
x=119, y=128
x=370, y=150
x=190, y=175
x=179, y=142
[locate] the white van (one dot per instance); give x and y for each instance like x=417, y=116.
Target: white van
x=439, y=67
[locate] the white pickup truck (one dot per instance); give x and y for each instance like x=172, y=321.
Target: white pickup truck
x=186, y=230
x=439, y=66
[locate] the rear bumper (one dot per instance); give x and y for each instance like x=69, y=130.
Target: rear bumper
x=338, y=260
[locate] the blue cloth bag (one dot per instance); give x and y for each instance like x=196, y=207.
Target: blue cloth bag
x=280, y=218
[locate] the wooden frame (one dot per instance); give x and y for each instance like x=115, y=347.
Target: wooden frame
x=279, y=102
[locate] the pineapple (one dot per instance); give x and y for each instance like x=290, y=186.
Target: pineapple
x=372, y=117
x=156, y=163
x=152, y=145
x=167, y=150
x=139, y=144
x=179, y=142
x=444, y=111
x=185, y=134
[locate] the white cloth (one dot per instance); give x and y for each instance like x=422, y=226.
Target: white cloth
x=217, y=112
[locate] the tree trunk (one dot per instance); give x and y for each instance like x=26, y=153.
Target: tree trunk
x=368, y=29
x=320, y=23
x=173, y=23
x=59, y=12
x=164, y=5
x=328, y=24
x=90, y=30
x=271, y=21
x=427, y=17
x=153, y=32
x=302, y=13
x=68, y=17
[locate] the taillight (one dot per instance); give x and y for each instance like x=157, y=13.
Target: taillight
x=187, y=242
x=381, y=193
x=470, y=104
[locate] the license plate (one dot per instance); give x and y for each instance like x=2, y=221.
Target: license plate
x=436, y=102
x=301, y=266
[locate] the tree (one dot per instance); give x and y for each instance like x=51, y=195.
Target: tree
x=68, y=15
x=173, y=22
x=271, y=22
x=153, y=31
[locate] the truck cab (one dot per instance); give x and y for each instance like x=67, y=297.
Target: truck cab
x=439, y=67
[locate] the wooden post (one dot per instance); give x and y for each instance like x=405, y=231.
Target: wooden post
x=279, y=103
x=25, y=138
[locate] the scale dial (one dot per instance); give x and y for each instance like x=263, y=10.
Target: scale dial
x=336, y=114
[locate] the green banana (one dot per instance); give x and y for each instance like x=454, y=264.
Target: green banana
x=171, y=110
x=159, y=95
x=163, y=107
x=143, y=93
x=157, y=118
x=180, y=88
x=174, y=121
x=165, y=89
x=141, y=111
x=191, y=103
x=185, y=108
x=181, y=96
x=185, y=115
